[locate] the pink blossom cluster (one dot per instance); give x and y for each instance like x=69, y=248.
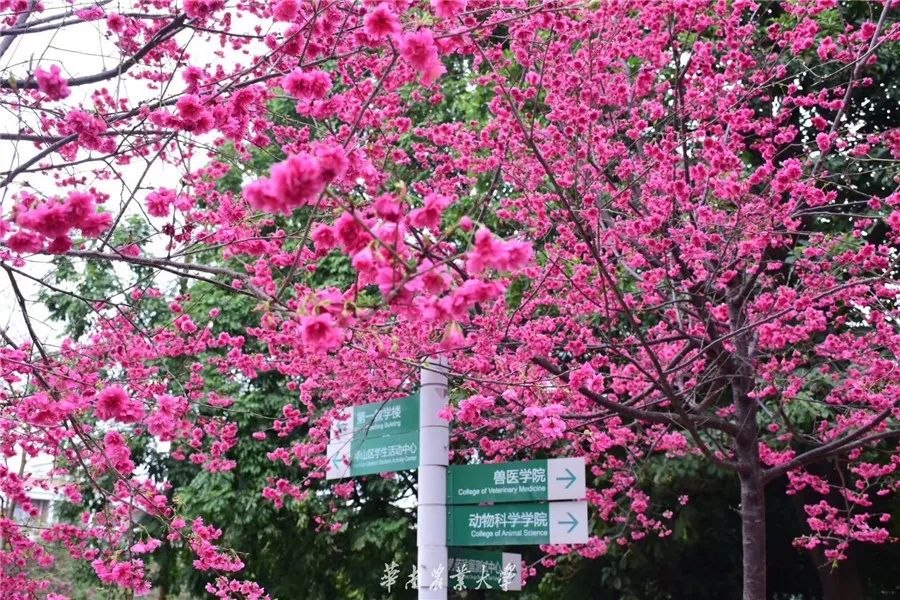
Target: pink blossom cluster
x=208, y=556
x=201, y=9
x=491, y=253
x=54, y=220
x=52, y=83
x=117, y=454
x=297, y=181
x=420, y=51
x=113, y=403
x=307, y=85
x=128, y=575
x=417, y=48
x=161, y=201
x=231, y=589
x=90, y=130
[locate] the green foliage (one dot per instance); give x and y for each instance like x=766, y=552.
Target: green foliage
x=76, y=289
x=516, y=291
x=334, y=270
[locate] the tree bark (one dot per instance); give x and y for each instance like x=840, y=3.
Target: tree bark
x=753, y=534
x=839, y=582
x=753, y=499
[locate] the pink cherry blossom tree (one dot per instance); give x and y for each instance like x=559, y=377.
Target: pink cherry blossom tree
x=642, y=241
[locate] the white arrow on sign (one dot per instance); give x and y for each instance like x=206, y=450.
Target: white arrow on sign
x=338, y=460
x=568, y=523
x=565, y=478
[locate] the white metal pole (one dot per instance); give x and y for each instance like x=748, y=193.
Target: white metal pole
x=431, y=514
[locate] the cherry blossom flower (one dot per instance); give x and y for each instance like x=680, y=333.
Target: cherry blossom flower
x=430, y=214
x=286, y=10
x=381, y=22
x=200, y=9
x=307, y=85
x=52, y=83
x=319, y=333
x=296, y=181
x=446, y=9
x=420, y=51
x=113, y=403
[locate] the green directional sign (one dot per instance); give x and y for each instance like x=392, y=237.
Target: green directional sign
x=375, y=438
x=484, y=570
x=517, y=524
x=553, y=479
x=366, y=455
x=378, y=418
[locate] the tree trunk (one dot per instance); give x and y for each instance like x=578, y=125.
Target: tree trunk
x=753, y=534
x=841, y=582
x=753, y=499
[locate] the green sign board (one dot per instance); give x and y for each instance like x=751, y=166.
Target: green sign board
x=378, y=418
x=484, y=570
x=365, y=455
x=553, y=479
x=517, y=524
x=375, y=438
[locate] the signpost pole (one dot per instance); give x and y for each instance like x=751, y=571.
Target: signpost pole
x=431, y=514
